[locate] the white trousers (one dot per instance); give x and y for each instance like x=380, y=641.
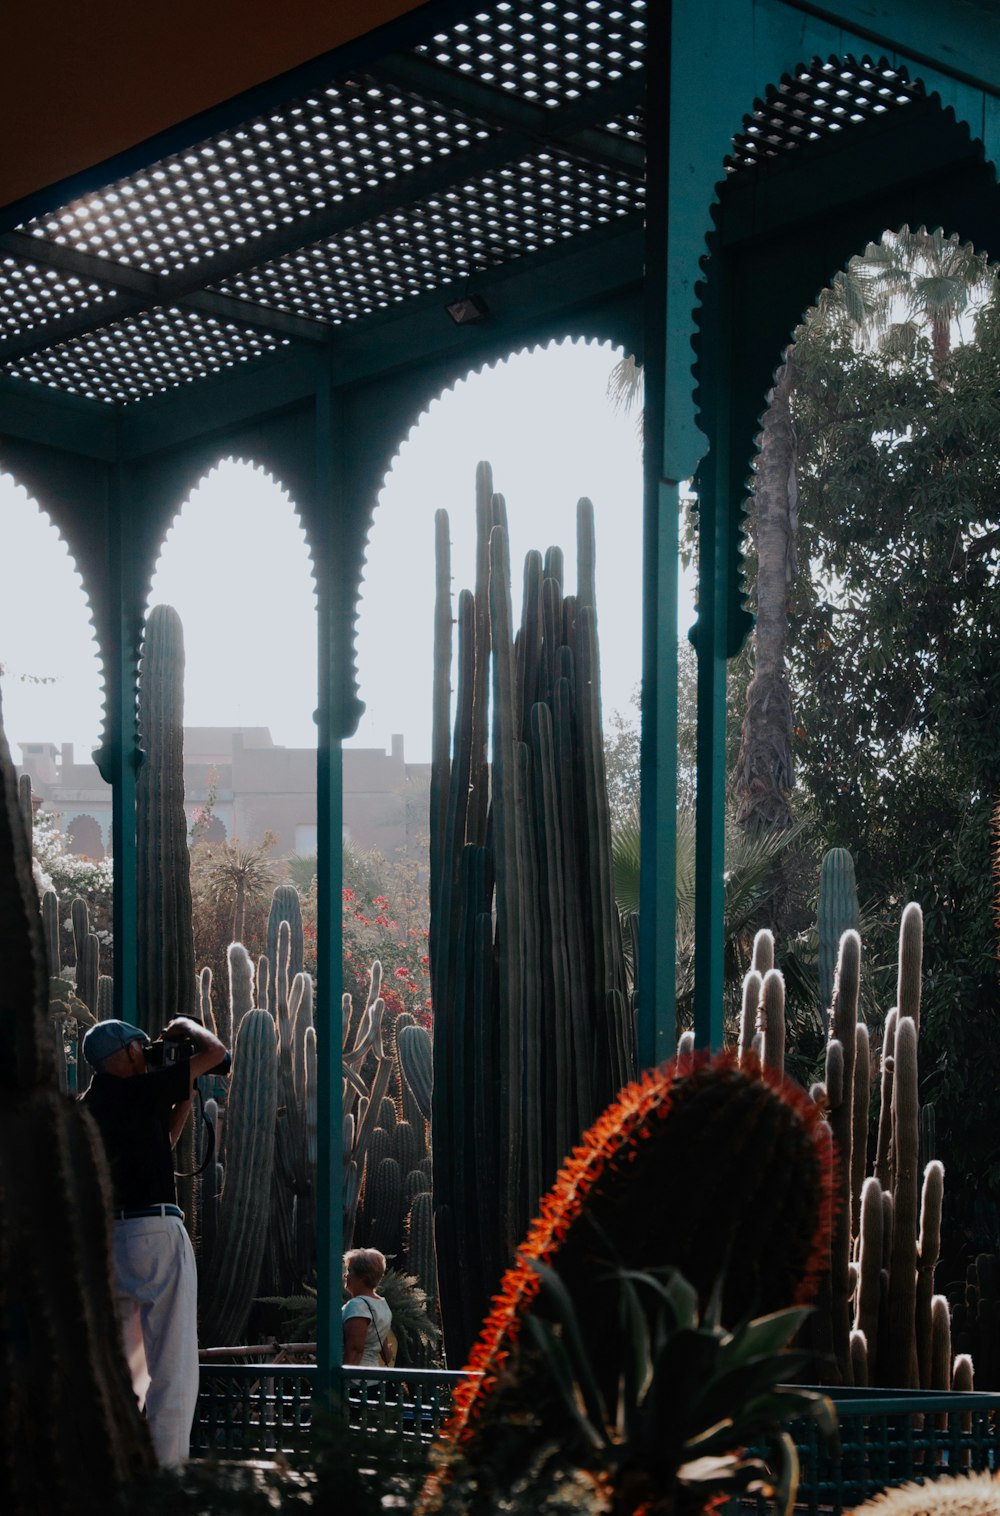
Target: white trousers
x=157, y=1286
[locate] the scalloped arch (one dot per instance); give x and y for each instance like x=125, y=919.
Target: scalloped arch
x=781, y=278
x=913, y=90
x=198, y=475
x=394, y=484
x=239, y=512
x=446, y=382
x=27, y=497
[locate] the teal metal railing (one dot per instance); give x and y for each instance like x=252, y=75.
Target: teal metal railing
x=259, y=1410
x=888, y=1438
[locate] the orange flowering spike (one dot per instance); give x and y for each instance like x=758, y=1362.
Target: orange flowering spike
x=713, y=1170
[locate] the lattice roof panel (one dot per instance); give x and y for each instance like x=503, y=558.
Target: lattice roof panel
x=161, y=349
x=323, y=149
x=30, y=295
x=821, y=101
x=470, y=228
x=502, y=136
x=546, y=50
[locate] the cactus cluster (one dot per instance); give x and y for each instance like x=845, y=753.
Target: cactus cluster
x=386, y=1143
x=534, y=1029
x=879, y=1321
x=257, y=1200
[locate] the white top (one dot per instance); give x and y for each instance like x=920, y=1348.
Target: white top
x=359, y=1306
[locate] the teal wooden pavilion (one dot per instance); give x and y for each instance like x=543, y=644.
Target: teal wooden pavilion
x=292, y=276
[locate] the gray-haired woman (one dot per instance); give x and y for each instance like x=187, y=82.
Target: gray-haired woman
x=368, y=1336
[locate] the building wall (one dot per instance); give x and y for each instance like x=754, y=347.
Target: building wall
x=254, y=787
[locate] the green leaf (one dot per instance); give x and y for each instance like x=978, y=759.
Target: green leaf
x=765, y=1335
x=554, y=1352
x=555, y=1295
x=637, y=1368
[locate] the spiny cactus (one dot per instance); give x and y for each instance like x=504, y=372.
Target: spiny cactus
x=843, y=1034
x=762, y=1230
x=69, y=1418
x=533, y=1027
x=241, y=988
x=166, y=968
x=949, y=1495
x=837, y=913
x=243, y=1209
x=976, y=1318
x=286, y=906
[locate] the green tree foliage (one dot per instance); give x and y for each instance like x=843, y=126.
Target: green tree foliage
x=894, y=658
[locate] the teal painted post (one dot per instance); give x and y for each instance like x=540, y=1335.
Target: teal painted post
x=719, y=632
x=329, y=509
x=657, y=1015
x=119, y=756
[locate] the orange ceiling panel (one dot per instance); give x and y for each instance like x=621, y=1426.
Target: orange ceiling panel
x=83, y=83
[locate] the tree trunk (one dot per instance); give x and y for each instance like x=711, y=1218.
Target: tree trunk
x=763, y=778
x=239, y=910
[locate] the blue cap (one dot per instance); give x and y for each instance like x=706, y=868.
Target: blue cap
x=109, y=1037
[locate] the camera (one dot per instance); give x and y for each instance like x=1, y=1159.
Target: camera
x=166, y=1050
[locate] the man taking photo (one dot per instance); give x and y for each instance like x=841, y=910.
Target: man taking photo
x=140, y=1110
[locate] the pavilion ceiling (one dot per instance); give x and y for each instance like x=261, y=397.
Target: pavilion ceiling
x=514, y=134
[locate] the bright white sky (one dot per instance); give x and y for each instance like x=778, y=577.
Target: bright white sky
x=235, y=566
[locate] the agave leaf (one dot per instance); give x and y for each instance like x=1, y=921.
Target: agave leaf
x=679, y=1297
x=557, y=1298
x=716, y=1470
x=787, y=1473
x=686, y=1360
x=765, y=1335
x=637, y=1368
x=553, y=1348
x=730, y=1392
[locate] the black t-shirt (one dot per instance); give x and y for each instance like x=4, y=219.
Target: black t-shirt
x=134, y=1120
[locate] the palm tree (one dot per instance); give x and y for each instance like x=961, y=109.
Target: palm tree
x=906, y=284
x=245, y=872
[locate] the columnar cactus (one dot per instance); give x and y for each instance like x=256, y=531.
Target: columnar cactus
x=69, y=1416
x=244, y=1204
x=903, y=1266
x=286, y=906
x=542, y=999
x=843, y=1034
x=837, y=912
x=166, y=968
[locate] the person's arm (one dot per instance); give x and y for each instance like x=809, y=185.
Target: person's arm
x=208, y=1050
x=178, y=1120
x=355, y=1333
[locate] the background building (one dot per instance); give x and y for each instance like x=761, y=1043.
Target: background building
x=252, y=786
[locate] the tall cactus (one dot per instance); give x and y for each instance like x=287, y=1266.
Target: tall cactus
x=68, y=1418
x=533, y=1032
x=838, y=912
x=166, y=967
x=244, y=1205
x=286, y=905
x=843, y=1033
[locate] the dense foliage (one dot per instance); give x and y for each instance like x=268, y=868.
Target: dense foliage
x=894, y=655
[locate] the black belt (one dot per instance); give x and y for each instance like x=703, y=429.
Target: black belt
x=149, y=1210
